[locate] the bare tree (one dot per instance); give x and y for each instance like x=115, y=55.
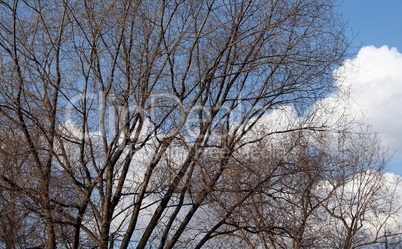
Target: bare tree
x=125, y=120
x=305, y=189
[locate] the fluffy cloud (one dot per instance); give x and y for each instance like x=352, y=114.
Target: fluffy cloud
x=375, y=78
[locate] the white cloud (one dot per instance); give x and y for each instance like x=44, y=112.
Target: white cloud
x=375, y=77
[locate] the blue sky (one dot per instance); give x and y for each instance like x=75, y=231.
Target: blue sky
x=375, y=24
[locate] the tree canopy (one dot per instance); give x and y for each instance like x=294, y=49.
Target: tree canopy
x=180, y=124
